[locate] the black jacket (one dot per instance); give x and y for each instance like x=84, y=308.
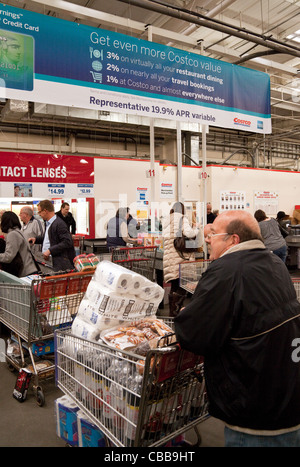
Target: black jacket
x=61, y=245
x=69, y=220
x=114, y=238
x=244, y=318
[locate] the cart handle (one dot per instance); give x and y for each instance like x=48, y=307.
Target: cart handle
x=71, y=274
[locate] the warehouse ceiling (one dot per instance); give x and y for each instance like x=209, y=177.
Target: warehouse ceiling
x=258, y=34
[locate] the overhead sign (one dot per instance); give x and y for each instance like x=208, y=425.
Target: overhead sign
x=45, y=59
x=45, y=168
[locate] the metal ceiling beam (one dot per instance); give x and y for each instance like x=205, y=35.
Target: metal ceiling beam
x=201, y=20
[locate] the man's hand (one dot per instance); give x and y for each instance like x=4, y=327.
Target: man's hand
x=46, y=255
x=31, y=240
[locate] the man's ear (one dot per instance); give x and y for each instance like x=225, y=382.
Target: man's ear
x=235, y=239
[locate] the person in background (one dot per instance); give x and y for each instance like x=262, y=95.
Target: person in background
x=1, y=233
x=271, y=234
x=117, y=230
x=282, y=220
x=57, y=242
x=206, y=232
x=31, y=227
x=67, y=217
x=17, y=253
x=171, y=257
x=210, y=216
x=133, y=226
x=244, y=319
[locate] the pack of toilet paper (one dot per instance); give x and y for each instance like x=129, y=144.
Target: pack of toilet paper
x=115, y=295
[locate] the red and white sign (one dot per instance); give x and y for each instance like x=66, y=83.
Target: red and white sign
x=46, y=168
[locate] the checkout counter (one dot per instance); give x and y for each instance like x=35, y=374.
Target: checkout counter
x=95, y=245
x=293, y=243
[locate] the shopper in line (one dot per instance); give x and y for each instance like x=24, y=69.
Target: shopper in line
x=31, y=227
x=282, y=219
x=117, y=230
x=67, y=217
x=57, y=242
x=210, y=215
x=206, y=232
x=271, y=234
x=16, y=258
x=132, y=225
x=175, y=225
x=244, y=318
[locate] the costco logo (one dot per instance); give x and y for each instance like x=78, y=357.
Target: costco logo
x=239, y=121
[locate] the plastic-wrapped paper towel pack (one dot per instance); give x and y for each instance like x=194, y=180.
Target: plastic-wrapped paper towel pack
x=114, y=295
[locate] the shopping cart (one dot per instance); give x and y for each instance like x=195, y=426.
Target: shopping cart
x=296, y=283
x=136, y=401
x=138, y=259
x=32, y=310
x=190, y=273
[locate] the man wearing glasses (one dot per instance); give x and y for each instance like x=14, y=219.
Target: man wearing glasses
x=244, y=318
x=57, y=243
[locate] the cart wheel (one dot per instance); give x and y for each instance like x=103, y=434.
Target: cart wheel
x=40, y=398
x=10, y=366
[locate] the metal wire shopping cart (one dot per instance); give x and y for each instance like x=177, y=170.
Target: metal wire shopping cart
x=190, y=273
x=138, y=259
x=32, y=311
x=134, y=400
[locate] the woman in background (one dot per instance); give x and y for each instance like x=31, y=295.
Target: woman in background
x=271, y=234
x=177, y=221
x=24, y=264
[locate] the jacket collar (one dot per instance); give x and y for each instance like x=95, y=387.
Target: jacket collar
x=249, y=245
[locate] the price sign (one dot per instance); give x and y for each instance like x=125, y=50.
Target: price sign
x=85, y=189
x=56, y=189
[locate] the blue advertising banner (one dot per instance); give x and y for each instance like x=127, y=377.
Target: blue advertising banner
x=45, y=59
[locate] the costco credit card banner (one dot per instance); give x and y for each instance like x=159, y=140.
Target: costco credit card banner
x=49, y=60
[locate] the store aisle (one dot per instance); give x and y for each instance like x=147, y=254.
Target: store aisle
x=28, y=425
x=25, y=424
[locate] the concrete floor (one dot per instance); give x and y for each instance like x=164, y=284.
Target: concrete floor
x=26, y=424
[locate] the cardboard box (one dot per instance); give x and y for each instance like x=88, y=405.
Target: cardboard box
x=296, y=216
x=43, y=348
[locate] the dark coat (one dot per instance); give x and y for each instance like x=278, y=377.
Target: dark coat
x=244, y=318
x=69, y=220
x=114, y=238
x=61, y=245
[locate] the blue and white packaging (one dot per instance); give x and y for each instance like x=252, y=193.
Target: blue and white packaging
x=66, y=420
x=89, y=435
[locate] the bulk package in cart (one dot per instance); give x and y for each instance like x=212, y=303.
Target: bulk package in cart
x=134, y=400
x=190, y=272
x=32, y=310
x=139, y=259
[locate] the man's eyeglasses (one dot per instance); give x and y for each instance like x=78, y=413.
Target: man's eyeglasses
x=210, y=235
